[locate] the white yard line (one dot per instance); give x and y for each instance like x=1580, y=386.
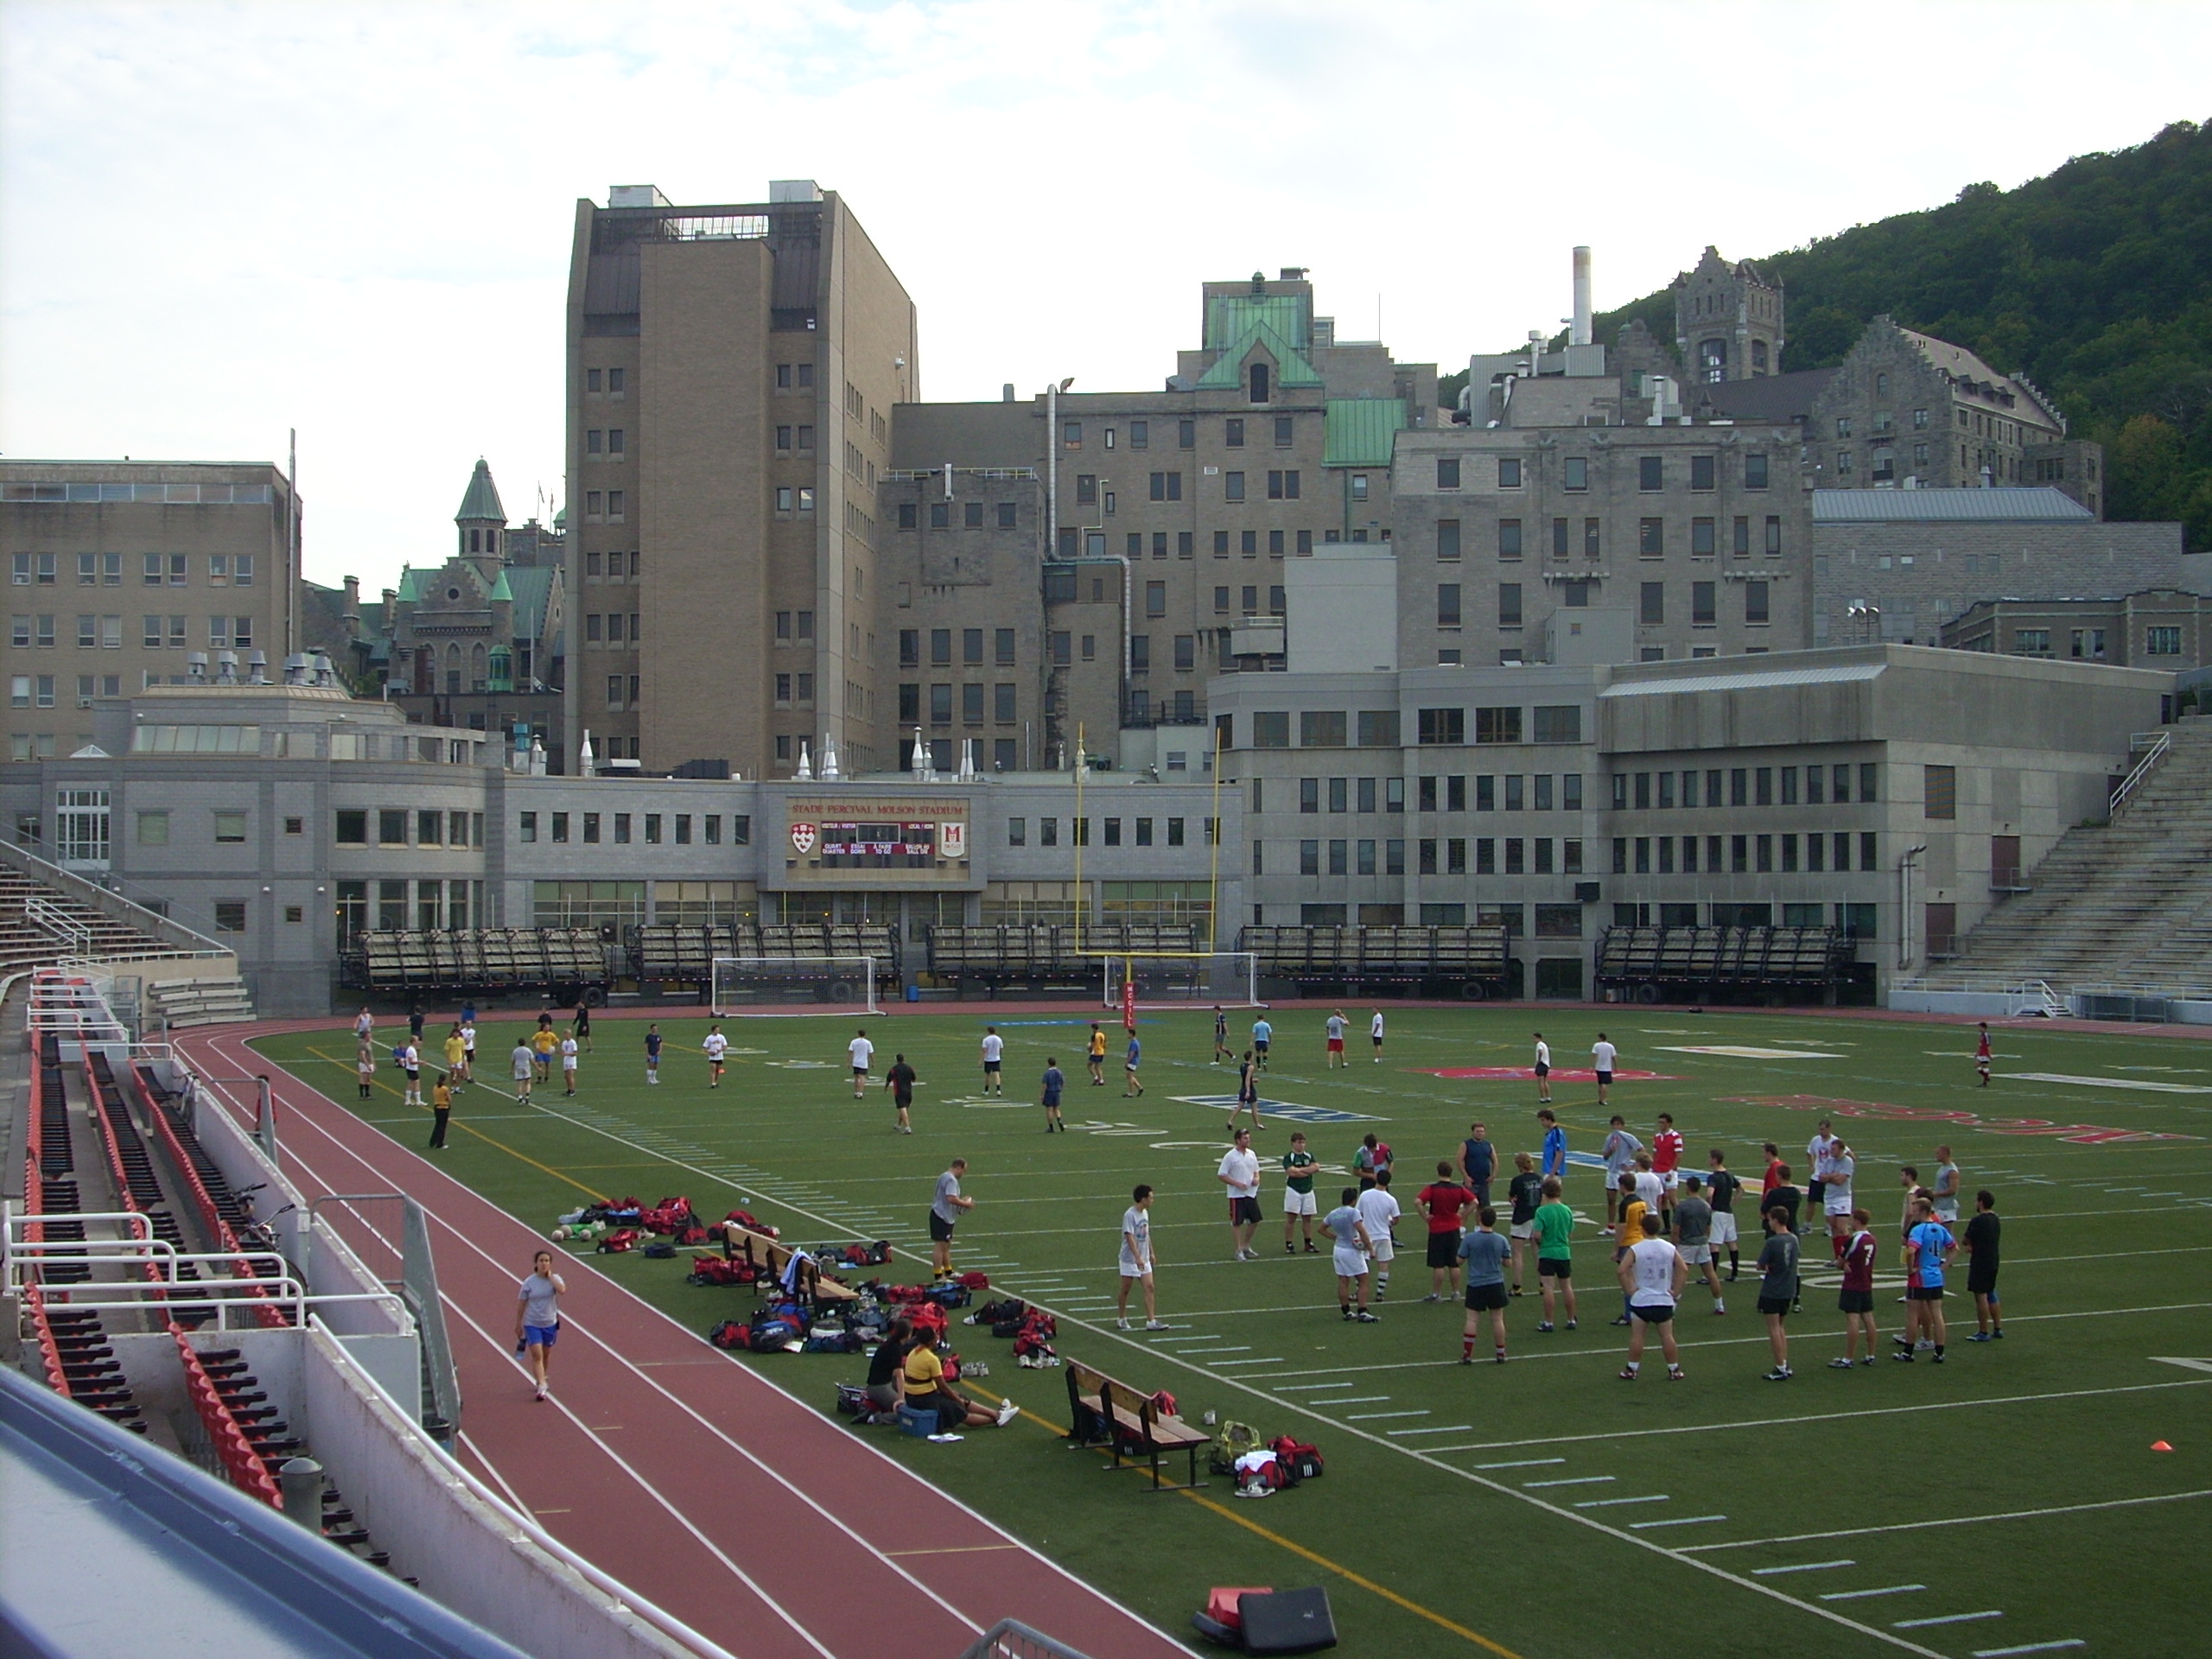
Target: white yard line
x=1862, y=1595
x=1960, y=1521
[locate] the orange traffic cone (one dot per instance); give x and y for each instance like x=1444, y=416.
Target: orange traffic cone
x=2160, y=1445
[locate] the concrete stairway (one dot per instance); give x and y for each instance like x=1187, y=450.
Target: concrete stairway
x=26, y=941
x=198, y=1002
x=2125, y=902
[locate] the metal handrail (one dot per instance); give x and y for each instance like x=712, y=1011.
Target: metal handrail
x=2135, y=780
x=1012, y=1639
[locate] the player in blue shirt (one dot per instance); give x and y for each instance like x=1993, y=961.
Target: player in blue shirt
x=1927, y=1246
x=1055, y=1080
x=653, y=1053
x=1262, y=1035
x=1130, y=1085
x=1554, y=1162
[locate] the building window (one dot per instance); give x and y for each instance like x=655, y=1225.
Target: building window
x=1497, y=725
x=1701, y=538
x=1939, y=791
x=1650, y=473
x=230, y=827
x=1577, y=472
x=1509, y=538
x=1755, y=603
x=1447, y=472
x=1441, y=726
x=1448, y=605
x=229, y=915
x=1232, y=484
x=1755, y=470
x=1701, y=604
x=1508, y=604
x=1650, y=538
x=1773, y=536
x=2162, y=642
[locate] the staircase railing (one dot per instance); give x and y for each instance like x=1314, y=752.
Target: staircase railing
x=65, y=929
x=2161, y=744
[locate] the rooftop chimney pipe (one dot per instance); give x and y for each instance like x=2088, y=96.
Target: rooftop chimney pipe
x=1580, y=336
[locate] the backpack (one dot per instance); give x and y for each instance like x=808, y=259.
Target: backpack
x=997, y=1313
x=827, y=1339
x=772, y=1335
x=1164, y=1403
x=976, y=1281
x=730, y=1333
x=852, y=1401
x=692, y=1235
x=621, y=1239
x=950, y=1294
x=1232, y=1441
x=660, y=1249
x=1270, y=1477
x=1300, y=1458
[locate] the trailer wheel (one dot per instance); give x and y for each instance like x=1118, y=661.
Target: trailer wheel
x=844, y=990
x=1647, y=992
x=1474, y=991
x=594, y=997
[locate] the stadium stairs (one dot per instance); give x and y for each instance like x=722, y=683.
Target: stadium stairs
x=49, y=915
x=2127, y=903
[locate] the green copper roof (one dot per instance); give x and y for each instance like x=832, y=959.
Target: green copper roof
x=1291, y=368
x=481, y=503
x=500, y=590
x=1230, y=315
x=1361, y=430
x=408, y=593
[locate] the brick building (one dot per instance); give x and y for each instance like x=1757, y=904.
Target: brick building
x=2160, y=627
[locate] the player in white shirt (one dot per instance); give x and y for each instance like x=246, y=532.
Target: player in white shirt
x=1378, y=1213
x=469, y=1049
x=1240, y=1173
x=569, y=1062
x=1602, y=1056
x=993, y=1058
x=1543, y=1069
x=1336, y=1025
x=1818, y=1151
x=1374, y=1035
x=1835, y=1196
x=1137, y=1261
x=718, y=1048
x=1652, y=1273
x=862, y=1050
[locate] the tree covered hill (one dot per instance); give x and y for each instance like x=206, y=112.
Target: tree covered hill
x=2095, y=282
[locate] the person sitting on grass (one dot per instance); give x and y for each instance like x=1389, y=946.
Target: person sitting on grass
x=922, y=1377
x=886, y=1366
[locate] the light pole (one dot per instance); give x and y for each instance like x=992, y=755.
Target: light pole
x=1868, y=616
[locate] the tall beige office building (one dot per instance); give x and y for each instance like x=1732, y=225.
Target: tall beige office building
x=125, y=575
x=731, y=374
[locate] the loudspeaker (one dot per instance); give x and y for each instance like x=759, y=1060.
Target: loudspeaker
x=1289, y=1621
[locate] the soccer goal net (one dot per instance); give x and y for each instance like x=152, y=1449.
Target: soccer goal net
x=1178, y=979
x=830, y=984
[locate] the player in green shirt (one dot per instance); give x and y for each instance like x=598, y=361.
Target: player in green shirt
x=1298, y=1195
x=1554, y=1251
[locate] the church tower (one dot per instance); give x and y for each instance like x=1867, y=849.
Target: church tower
x=1728, y=320
x=481, y=522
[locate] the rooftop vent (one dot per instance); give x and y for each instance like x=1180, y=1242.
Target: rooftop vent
x=636, y=195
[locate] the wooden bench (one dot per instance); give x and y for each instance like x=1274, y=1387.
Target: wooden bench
x=767, y=1255
x=1105, y=1411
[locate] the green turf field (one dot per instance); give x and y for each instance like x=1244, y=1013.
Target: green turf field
x=2004, y=1502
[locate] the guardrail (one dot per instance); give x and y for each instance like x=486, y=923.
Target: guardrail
x=180, y=940
x=2161, y=746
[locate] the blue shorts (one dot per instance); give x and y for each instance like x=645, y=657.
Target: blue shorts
x=540, y=1336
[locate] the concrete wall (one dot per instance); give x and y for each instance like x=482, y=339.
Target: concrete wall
x=1343, y=615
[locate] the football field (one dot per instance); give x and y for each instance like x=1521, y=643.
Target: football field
x=2007, y=1501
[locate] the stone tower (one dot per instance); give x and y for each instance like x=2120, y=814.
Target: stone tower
x=482, y=521
x=1728, y=320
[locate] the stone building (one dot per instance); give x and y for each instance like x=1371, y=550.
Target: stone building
x=477, y=641
x=1694, y=540
x=1899, y=564
x=212, y=546
x=2159, y=628
x=1098, y=556
x=1728, y=321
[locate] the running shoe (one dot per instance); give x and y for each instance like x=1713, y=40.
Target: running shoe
x=1365, y=1318
x=1121, y=1324
x=1779, y=1374
x=1839, y=1363
x=1674, y=1373
x=1007, y=1412
x=1546, y=1326
x=1979, y=1336
x=1155, y=1324
x=1628, y=1373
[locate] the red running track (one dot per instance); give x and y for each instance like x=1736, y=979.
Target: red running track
x=758, y=1521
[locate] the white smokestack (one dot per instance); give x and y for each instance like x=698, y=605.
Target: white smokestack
x=1580, y=327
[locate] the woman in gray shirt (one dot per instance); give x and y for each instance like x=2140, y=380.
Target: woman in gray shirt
x=537, y=1316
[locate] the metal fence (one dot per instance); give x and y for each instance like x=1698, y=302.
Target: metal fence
x=1012, y=1639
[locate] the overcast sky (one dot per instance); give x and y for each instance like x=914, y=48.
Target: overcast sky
x=218, y=221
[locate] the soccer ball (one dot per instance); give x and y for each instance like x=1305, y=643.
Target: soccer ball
x=560, y=1232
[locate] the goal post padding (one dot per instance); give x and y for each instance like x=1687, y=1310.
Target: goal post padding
x=1180, y=978
x=831, y=984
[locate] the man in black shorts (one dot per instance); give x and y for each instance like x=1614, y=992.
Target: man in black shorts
x=1981, y=1268
x=1484, y=1254
x=901, y=1082
x=946, y=1209
x=1777, y=1265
